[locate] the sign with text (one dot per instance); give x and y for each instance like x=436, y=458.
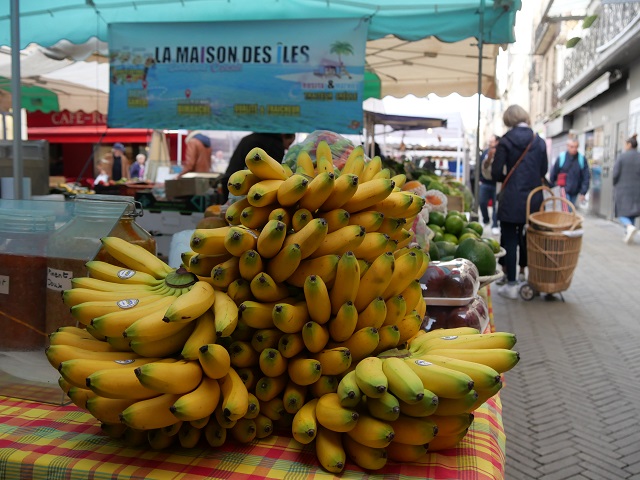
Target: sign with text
x=267, y=76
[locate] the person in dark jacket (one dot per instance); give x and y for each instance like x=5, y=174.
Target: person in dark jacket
x=275, y=144
x=571, y=171
x=626, y=181
x=488, y=186
x=512, y=206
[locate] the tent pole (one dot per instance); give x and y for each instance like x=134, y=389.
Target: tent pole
x=476, y=179
x=16, y=101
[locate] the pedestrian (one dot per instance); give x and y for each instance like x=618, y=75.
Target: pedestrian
x=198, y=154
x=520, y=163
x=571, y=171
x=137, y=169
x=120, y=163
x=626, y=181
x=275, y=144
x=488, y=187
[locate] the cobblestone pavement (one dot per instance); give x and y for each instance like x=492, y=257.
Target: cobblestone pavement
x=572, y=404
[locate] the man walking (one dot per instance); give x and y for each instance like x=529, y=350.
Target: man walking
x=571, y=171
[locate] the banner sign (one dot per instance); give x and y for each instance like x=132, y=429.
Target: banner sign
x=265, y=76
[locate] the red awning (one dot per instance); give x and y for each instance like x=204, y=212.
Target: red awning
x=89, y=134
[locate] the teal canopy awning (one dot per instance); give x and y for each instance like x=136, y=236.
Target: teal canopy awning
x=46, y=22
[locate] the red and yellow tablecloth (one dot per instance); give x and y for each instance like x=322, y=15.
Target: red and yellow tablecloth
x=49, y=442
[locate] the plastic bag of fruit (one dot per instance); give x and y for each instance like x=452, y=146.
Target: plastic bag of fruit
x=474, y=314
x=436, y=200
x=340, y=148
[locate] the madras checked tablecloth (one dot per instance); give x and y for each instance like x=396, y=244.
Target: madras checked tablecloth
x=49, y=442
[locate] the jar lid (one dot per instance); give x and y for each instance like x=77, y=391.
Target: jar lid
x=104, y=205
x=26, y=221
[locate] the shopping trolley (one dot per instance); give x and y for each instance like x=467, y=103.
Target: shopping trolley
x=554, y=240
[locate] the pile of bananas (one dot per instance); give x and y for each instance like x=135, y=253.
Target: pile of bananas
x=302, y=314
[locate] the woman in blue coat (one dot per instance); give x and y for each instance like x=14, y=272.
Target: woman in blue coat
x=512, y=204
x=626, y=181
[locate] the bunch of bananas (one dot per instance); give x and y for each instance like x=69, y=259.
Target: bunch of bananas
x=291, y=316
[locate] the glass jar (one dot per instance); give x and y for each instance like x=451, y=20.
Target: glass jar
x=77, y=242
x=23, y=273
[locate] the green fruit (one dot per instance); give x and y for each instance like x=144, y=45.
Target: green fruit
x=447, y=258
x=435, y=228
x=434, y=253
x=477, y=227
x=480, y=253
x=451, y=238
x=454, y=225
x=471, y=231
x=438, y=237
x=466, y=235
x=456, y=213
x=436, y=218
x=493, y=243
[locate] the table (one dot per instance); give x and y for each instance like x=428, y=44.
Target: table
x=50, y=442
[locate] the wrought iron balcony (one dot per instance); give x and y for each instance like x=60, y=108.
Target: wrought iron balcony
x=612, y=19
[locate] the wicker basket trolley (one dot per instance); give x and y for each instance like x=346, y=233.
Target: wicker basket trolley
x=552, y=249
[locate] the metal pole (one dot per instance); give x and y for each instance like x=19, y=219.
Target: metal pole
x=16, y=101
x=476, y=179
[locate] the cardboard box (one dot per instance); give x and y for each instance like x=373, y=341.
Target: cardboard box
x=455, y=203
x=189, y=185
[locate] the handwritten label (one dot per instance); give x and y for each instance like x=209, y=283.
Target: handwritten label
x=4, y=284
x=58, y=280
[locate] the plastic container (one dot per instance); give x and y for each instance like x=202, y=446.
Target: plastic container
x=77, y=242
x=23, y=272
x=454, y=282
x=475, y=314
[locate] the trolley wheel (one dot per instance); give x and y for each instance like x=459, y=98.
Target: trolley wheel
x=527, y=292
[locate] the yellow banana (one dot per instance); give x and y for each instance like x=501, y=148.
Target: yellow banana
x=76, y=371
x=395, y=205
x=285, y=263
x=485, y=395
x=347, y=282
x=203, y=333
x=66, y=338
x=454, y=406
x=304, y=371
x=315, y=336
x=271, y=238
x=371, y=168
x=134, y=438
x=253, y=408
x=334, y=361
x=121, y=344
x=179, y=377
x=427, y=405
x=80, y=396
x=396, y=309
x=158, y=440
x=325, y=384
x=242, y=355
x=255, y=217
x=405, y=271
x=305, y=426
x=214, y=360
x=390, y=225
x=225, y=314
x=413, y=430
x=293, y=397
x=369, y=194
x=241, y=181
x=267, y=388
x=265, y=338
x=244, y=431
x=318, y=191
x=264, y=193
x=404, y=383
x=344, y=187
x=265, y=289
x=191, y=305
x=112, y=273
x=202, y=265
x=443, y=442
x=87, y=311
x=416, y=206
x=401, y=452
x=355, y=161
x=375, y=281
x=504, y=340
x=449, y=425
x=239, y=239
x=370, y=377
x=264, y=426
x=77, y=331
x=310, y=237
x=108, y=410
x=389, y=338
x=214, y=433
x=324, y=157
x=361, y=344
x=273, y=409
x=399, y=179
x=272, y=364
x=325, y=267
x=370, y=220
x=235, y=397
x=210, y=241
x=317, y=297
x=198, y=403
x=188, y=436
x=373, y=245
x=332, y=415
x=304, y=164
x=164, y=346
x=56, y=354
x=329, y=450
x=371, y=432
x=336, y=219
x=292, y=190
x=415, y=344
x=300, y=219
x=120, y=382
x=373, y=315
x=384, y=173
x=264, y=166
x=290, y=318
x=232, y=216
x=172, y=430
x=225, y=273
x=386, y=407
x=344, y=323
x=341, y=241
x=114, y=430
x=348, y=392
x=239, y=291
x=98, y=285
x=442, y=381
x=151, y=413
x=257, y=314
x=500, y=359
x=412, y=294
x=409, y=325
x=135, y=257
x=290, y=344
x=64, y=385
x=151, y=327
x=483, y=376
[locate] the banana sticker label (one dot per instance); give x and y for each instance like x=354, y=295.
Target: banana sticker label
x=423, y=363
x=126, y=273
x=127, y=303
x=449, y=337
x=124, y=362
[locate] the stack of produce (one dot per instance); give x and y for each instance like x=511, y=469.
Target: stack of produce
x=289, y=317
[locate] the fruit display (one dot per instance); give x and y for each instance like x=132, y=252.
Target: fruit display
x=303, y=314
x=455, y=281
x=475, y=314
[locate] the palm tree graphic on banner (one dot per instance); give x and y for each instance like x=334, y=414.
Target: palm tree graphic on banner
x=340, y=49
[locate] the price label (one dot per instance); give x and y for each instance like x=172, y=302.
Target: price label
x=58, y=280
x=4, y=284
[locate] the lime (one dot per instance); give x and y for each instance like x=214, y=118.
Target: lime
x=438, y=237
x=477, y=226
x=451, y=213
x=471, y=231
x=466, y=235
x=493, y=243
x=480, y=253
x=435, y=228
x=451, y=238
x=446, y=248
x=436, y=218
x=454, y=225
x=434, y=253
